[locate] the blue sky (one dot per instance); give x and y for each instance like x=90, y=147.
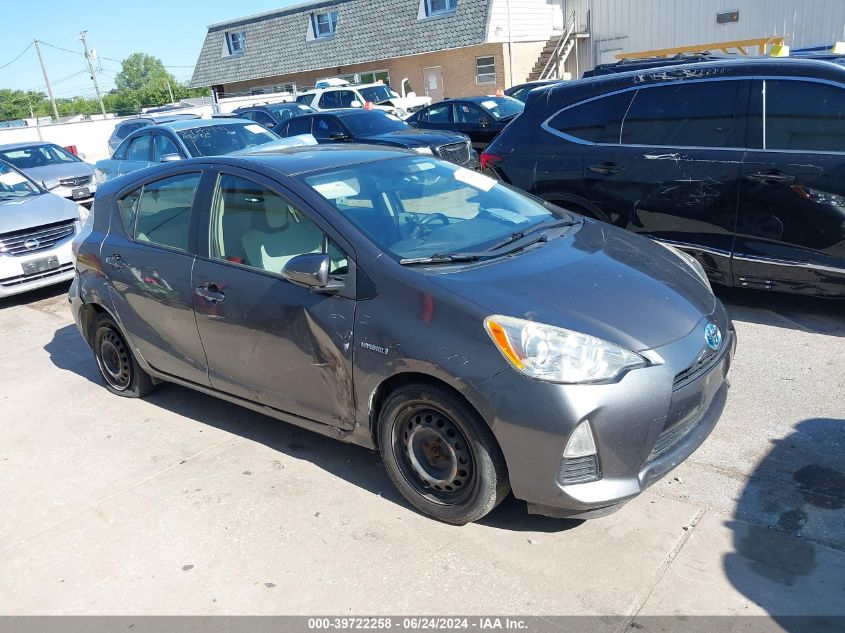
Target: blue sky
x=171, y=30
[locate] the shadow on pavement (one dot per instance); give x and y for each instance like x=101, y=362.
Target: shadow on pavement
x=821, y=316
x=362, y=467
x=33, y=297
x=798, y=490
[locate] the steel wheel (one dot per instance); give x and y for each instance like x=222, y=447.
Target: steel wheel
x=434, y=455
x=114, y=361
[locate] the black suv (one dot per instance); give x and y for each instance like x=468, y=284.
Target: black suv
x=741, y=163
x=377, y=127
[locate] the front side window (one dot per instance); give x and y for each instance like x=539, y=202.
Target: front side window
x=485, y=70
x=14, y=185
x=162, y=146
x=324, y=24
x=139, y=148
x=299, y=125
x=254, y=226
x=236, y=42
x=327, y=127
x=803, y=116
x=467, y=113
x=440, y=7
x=683, y=115
x=368, y=123
x=436, y=114
x=417, y=207
x=163, y=214
x=38, y=156
x=220, y=139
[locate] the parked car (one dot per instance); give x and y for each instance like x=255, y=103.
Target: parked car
x=520, y=91
x=178, y=140
x=332, y=97
x=127, y=126
x=480, y=339
x=55, y=168
x=374, y=127
x=740, y=163
x=272, y=114
x=480, y=118
x=36, y=229
x=650, y=63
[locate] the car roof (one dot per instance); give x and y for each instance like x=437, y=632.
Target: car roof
x=191, y=124
x=481, y=99
x=267, y=106
x=22, y=144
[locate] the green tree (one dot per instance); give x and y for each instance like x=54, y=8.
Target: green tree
x=140, y=71
x=22, y=104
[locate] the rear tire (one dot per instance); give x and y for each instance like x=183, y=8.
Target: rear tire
x=116, y=362
x=440, y=454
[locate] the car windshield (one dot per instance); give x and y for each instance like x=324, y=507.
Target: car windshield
x=216, y=140
x=37, y=156
x=371, y=122
x=419, y=207
x=290, y=110
x=14, y=185
x=502, y=107
x=377, y=94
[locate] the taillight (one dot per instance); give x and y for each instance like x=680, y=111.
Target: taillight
x=490, y=160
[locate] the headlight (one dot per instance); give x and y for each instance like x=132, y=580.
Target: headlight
x=558, y=355
x=692, y=262
x=100, y=176
x=423, y=150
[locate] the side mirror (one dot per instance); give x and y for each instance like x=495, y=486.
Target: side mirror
x=356, y=104
x=311, y=269
x=169, y=158
x=484, y=121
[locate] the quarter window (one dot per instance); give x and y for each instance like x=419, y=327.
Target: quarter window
x=683, y=115
x=597, y=121
x=440, y=7
x=485, y=70
x=803, y=115
x=256, y=227
x=128, y=206
x=324, y=23
x=139, y=148
x=236, y=41
x=164, y=211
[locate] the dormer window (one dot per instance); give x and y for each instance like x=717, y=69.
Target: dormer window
x=440, y=7
x=324, y=24
x=236, y=42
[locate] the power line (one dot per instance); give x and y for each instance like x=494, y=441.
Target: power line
x=18, y=57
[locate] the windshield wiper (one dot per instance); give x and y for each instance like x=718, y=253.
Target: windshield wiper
x=442, y=258
x=520, y=235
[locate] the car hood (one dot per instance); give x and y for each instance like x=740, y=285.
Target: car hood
x=596, y=279
x=26, y=213
x=59, y=171
x=419, y=138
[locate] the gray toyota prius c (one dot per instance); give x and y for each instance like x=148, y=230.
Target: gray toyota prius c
x=482, y=340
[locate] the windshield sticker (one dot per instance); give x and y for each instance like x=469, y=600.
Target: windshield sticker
x=490, y=105
x=420, y=166
x=338, y=189
x=474, y=179
x=10, y=179
x=255, y=128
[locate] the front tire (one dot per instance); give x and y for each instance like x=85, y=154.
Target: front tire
x=440, y=454
x=116, y=362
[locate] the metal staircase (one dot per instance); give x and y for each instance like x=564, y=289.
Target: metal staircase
x=552, y=59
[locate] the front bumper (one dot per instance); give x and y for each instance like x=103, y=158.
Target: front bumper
x=644, y=426
x=15, y=280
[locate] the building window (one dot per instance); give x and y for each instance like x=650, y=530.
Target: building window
x=485, y=70
x=236, y=41
x=370, y=77
x=440, y=7
x=324, y=23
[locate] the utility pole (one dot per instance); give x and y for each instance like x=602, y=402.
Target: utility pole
x=170, y=90
x=91, y=70
x=47, y=81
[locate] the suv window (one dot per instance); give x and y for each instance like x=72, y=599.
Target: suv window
x=802, y=115
x=139, y=148
x=127, y=128
x=683, y=115
x=597, y=121
x=338, y=99
x=325, y=127
x=299, y=125
x=256, y=227
x=261, y=117
x=164, y=211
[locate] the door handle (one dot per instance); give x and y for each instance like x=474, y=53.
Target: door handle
x=116, y=261
x=771, y=178
x=210, y=292
x=608, y=169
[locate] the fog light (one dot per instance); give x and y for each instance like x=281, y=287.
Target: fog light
x=581, y=442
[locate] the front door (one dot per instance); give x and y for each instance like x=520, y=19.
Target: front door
x=267, y=339
x=147, y=258
x=791, y=224
x=433, y=83
x=479, y=125
x=669, y=166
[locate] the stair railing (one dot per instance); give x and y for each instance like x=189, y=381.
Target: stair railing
x=561, y=44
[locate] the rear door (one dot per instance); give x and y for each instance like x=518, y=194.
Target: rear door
x=670, y=168
x=148, y=257
x=269, y=340
x=791, y=224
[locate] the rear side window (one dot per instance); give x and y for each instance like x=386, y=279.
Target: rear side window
x=683, y=115
x=436, y=114
x=597, y=121
x=139, y=148
x=299, y=125
x=164, y=211
x=803, y=115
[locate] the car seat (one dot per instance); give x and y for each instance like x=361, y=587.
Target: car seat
x=279, y=234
